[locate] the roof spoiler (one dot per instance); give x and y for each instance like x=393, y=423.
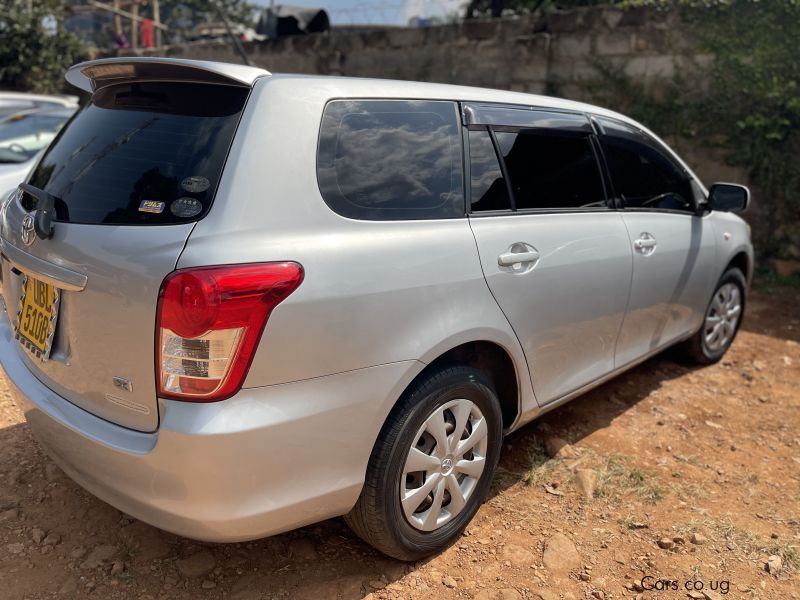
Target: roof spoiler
x=95, y=74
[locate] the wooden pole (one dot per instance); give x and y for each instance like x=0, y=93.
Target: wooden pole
x=135, y=26
x=237, y=44
x=117, y=19
x=157, y=22
x=124, y=13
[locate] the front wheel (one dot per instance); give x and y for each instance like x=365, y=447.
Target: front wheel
x=431, y=466
x=722, y=319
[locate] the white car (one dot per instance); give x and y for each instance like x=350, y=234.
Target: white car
x=14, y=173
x=23, y=136
x=12, y=102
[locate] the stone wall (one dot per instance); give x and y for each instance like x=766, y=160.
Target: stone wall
x=525, y=54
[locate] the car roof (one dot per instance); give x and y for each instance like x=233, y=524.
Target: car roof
x=63, y=99
x=93, y=74
x=333, y=87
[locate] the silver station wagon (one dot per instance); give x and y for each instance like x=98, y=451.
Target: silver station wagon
x=237, y=303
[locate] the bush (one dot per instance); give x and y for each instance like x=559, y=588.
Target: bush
x=754, y=103
x=35, y=50
x=747, y=101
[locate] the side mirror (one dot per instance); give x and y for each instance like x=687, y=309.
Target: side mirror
x=728, y=197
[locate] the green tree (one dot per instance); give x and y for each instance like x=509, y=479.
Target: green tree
x=745, y=101
x=35, y=50
x=749, y=103
x=753, y=103
x=496, y=8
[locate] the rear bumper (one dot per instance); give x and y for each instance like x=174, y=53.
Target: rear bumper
x=266, y=461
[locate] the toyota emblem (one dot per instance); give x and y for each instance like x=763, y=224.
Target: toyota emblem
x=28, y=233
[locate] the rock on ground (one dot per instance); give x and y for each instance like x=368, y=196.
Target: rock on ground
x=197, y=565
x=504, y=594
x=666, y=543
x=302, y=548
x=517, y=555
x=586, y=480
x=98, y=556
x=774, y=564
x=560, y=554
x=698, y=539
x=559, y=447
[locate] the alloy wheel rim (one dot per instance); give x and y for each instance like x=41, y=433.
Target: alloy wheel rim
x=444, y=464
x=722, y=317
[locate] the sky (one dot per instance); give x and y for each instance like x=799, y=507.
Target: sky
x=394, y=12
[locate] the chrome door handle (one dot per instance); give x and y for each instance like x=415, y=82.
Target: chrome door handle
x=508, y=259
x=645, y=244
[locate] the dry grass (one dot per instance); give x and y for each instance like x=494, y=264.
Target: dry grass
x=619, y=478
x=541, y=466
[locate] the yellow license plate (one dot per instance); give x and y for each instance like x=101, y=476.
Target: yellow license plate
x=38, y=312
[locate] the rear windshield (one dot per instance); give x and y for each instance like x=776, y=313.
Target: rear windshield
x=141, y=154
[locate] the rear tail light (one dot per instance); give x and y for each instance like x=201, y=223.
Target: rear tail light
x=209, y=323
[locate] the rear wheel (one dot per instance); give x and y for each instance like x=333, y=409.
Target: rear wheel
x=431, y=466
x=722, y=319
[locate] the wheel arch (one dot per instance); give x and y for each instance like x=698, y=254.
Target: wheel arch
x=742, y=261
x=495, y=361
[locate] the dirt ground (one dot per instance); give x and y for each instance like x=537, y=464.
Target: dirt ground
x=672, y=476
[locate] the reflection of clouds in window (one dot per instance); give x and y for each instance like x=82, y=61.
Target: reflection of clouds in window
x=390, y=159
x=484, y=168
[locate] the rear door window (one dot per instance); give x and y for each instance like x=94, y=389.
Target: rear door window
x=141, y=154
x=391, y=159
x=551, y=169
x=488, y=188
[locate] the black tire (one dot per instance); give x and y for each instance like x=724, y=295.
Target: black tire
x=695, y=348
x=378, y=517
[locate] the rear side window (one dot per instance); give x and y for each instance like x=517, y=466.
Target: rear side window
x=488, y=189
x=551, y=169
x=642, y=173
x=141, y=153
x=391, y=159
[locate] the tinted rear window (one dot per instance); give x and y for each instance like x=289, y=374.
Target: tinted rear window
x=551, y=169
x=391, y=159
x=142, y=153
x=489, y=191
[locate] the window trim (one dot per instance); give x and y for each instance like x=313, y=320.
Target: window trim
x=503, y=169
x=471, y=112
x=468, y=172
x=466, y=166
x=501, y=161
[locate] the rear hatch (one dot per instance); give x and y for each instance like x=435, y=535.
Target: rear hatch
x=127, y=179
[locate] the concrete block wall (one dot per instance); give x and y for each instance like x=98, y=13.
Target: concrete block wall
x=523, y=54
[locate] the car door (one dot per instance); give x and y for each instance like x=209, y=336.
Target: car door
x=556, y=258
x=673, y=247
